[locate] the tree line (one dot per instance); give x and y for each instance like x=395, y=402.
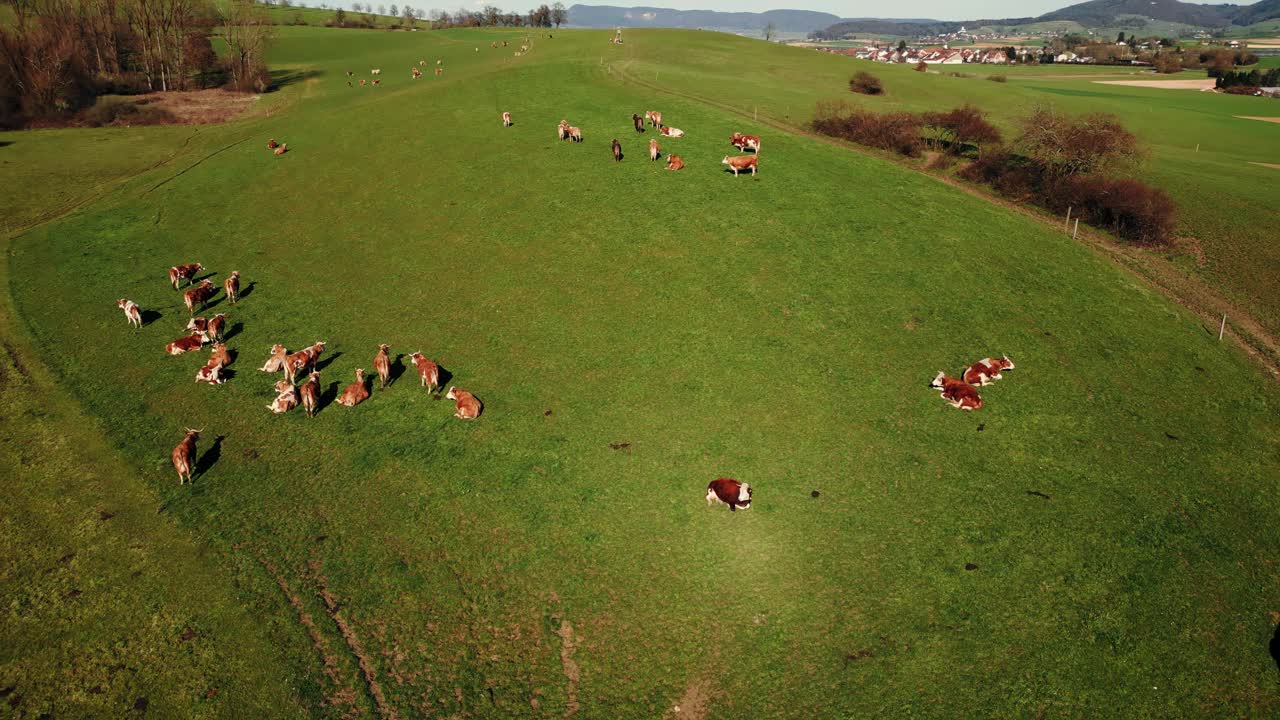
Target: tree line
x=58, y=56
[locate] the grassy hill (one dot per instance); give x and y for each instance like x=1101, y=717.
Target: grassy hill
x=1098, y=540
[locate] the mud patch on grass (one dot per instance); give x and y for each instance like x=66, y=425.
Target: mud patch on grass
x=694, y=703
x=199, y=107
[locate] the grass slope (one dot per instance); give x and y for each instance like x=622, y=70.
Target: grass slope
x=1229, y=208
x=779, y=329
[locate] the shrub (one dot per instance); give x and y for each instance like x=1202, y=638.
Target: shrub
x=121, y=111
x=866, y=83
x=1167, y=63
x=998, y=78
x=921, y=66
x=899, y=132
x=960, y=128
x=1070, y=145
x=1243, y=90
x=941, y=161
x=1131, y=209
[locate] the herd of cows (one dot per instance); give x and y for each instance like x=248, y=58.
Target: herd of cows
x=959, y=392
x=203, y=331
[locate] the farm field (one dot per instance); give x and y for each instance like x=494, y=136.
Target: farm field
x=1228, y=207
x=1097, y=541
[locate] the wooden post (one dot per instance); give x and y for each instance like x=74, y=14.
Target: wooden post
x=1073, y=232
x=1197, y=147
x=1222, y=328
x=1068, y=225
x=755, y=112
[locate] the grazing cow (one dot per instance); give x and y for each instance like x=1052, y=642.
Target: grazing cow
x=382, y=365
x=416, y=72
x=131, y=312
x=376, y=71
x=468, y=405
x=428, y=372
x=617, y=150
x=231, y=286
x=219, y=355
x=356, y=392
x=740, y=163
x=653, y=150
x=439, y=71
x=422, y=62
x=184, y=456
x=286, y=398
x=654, y=117
x=275, y=363
x=217, y=324
x=377, y=83
x=201, y=293
x=439, y=62
x=272, y=144
x=362, y=82
x=957, y=392
x=310, y=391
x=671, y=132
x=349, y=73
x=284, y=148
x=730, y=492
x=987, y=370
x=745, y=142
x=575, y=134
x=675, y=162
x=506, y=119
x=304, y=359
x=211, y=374
x=562, y=130
x=504, y=43
x=186, y=273
x=638, y=122
x=187, y=344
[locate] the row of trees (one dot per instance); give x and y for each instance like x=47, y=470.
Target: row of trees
x=58, y=55
x=489, y=16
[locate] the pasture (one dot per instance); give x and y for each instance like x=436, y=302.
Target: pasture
x=1098, y=540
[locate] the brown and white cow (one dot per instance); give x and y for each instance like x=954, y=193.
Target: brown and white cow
x=377, y=83
x=416, y=73
x=201, y=293
x=468, y=406
x=217, y=324
x=310, y=391
x=131, y=312
x=356, y=392
x=675, y=162
x=275, y=363
x=199, y=326
x=272, y=144
x=562, y=129
x=211, y=374
x=506, y=119
x=382, y=365
x=362, y=82
x=187, y=344
x=184, y=456
x=428, y=371
x=745, y=142
x=617, y=150
x=987, y=370
x=231, y=286
x=376, y=71
x=740, y=163
x=654, y=117
x=304, y=359
x=730, y=492
x=575, y=134
x=653, y=150
x=286, y=398
x=957, y=392
x=180, y=273
x=219, y=355
x=671, y=132
x=285, y=147
x=439, y=71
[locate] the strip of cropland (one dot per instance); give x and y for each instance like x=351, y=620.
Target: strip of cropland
x=1197, y=149
x=1098, y=540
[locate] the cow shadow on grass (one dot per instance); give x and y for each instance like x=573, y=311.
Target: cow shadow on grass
x=445, y=378
x=244, y=291
x=396, y=370
x=233, y=331
x=284, y=78
x=327, y=396
x=197, y=280
x=1275, y=647
x=210, y=456
x=326, y=360
x=150, y=316
x=5, y=143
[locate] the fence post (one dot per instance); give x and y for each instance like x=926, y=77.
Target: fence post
x=1073, y=232
x=1222, y=328
x=1068, y=225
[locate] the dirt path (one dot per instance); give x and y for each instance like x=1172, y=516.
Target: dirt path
x=1267, y=165
x=1198, y=84
x=1192, y=293
x=1255, y=117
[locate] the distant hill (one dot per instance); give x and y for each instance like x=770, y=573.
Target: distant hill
x=607, y=16
x=1250, y=14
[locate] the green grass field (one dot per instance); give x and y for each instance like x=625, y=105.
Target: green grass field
x=1098, y=541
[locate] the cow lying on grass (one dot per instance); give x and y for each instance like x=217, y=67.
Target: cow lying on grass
x=987, y=370
x=957, y=392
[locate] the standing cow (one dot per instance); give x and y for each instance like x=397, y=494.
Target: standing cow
x=201, y=293
x=131, y=312
x=638, y=122
x=428, y=371
x=310, y=391
x=184, y=273
x=184, y=456
x=231, y=286
x=382, y=365
x=740, y=163
x=506, y=119
x=617, y=150
x=730, y=492
x=653, y=150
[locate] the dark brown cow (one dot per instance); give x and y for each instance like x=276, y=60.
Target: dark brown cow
x=201, y=293
x=638, y=122
x=730, y=492
x=617, y=150
x=184, y=456
x=217, y=324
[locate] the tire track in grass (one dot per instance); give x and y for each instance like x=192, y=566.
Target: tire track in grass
x=333, y=607
x=1191, y=293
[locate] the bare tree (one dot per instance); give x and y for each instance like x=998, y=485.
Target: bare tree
x=559, y=14
x=770, y=32
x=247, y=34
